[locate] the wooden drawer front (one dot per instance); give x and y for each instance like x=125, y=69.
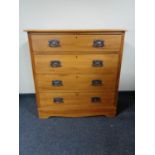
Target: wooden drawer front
x=49, y=42
x=63, y=63
x=96, y=63
x=40, y=42
x=71, y=83
x=110, y=42
x=76, y=99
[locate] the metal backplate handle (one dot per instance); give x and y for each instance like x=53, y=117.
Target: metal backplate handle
x=96, y=82
x=54, y=43
x=95, y=99
x=98, y=43
x=97, y=63
x=57, y=83
x=55, y=63
x=58, y=100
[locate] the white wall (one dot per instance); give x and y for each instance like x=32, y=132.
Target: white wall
x=77, y=14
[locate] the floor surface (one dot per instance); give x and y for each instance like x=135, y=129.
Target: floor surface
x=78, y=136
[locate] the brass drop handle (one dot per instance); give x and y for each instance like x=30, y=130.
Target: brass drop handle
x=95, y=99
x=54, y=43
x=57, y=83
x=96, y=82
x=58, y=100
x=98, y=43
x=97, y=63
x=55, y=63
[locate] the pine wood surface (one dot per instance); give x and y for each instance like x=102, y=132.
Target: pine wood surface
x=77, y=82
x=81, y=64
x=75, y=42
x=76, y=54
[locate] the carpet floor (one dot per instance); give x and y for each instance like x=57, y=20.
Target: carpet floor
x=77, y=136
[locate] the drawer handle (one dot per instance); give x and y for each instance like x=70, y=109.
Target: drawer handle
x=95, y=99
x=55, y=64
x=54, y=43
x=97, y=63
x=57, y=83
x=96, y=82
x=98, y=43
x=58, y=100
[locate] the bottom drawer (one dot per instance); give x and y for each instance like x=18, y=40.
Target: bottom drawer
x=76, y=100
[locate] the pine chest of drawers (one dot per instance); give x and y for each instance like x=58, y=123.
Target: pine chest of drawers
x=76, y=72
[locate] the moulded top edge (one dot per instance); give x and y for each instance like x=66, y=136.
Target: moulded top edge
x=75, y=31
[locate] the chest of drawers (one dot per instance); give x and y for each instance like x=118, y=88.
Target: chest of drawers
x=76, y=72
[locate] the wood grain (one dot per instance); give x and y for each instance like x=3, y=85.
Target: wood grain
x=119, y=69
x=75, y=82
x=73, y=111
x=75, y=42
x=120, y=31
x=76, y=54
x=111, y=42
x=82, y=64
x=33, y=69
x=79, y=99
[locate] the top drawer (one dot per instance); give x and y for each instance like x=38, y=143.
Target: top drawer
x=50, y=43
